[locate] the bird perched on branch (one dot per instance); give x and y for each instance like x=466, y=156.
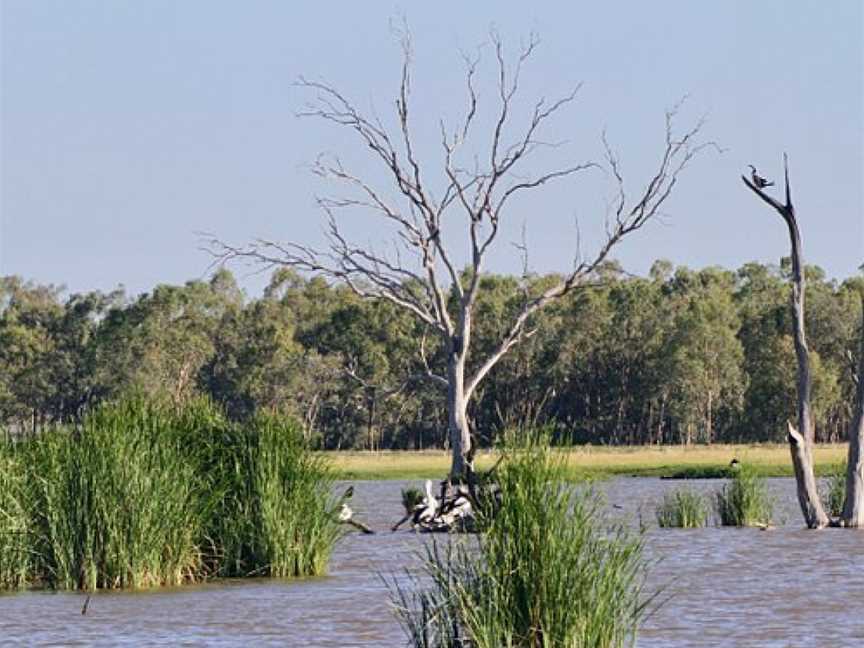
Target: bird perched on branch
x=758, y=180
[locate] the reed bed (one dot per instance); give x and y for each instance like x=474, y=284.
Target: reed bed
x=548, y=570
x=116, y=503
x=744, y=501
x=145, y=494
x=297, y=526
x=15, y=556
x=682, y=508
x=835, y=489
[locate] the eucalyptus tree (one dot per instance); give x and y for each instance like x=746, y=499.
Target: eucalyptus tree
x=28, y=317
x=476, y=184
x=703, y=355
x=159, y=343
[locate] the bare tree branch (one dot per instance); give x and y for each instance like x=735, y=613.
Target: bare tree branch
x=679, y=151
x=478, y=187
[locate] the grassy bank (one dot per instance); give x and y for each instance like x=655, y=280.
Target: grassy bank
x=769, y=460
x=145, y=494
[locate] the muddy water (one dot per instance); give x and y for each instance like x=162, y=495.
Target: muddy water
x=729, y=587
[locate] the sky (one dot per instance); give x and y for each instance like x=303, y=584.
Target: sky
x=128, y=128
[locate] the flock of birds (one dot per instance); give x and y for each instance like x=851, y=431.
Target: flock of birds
x=451, y=510
x=441, y=514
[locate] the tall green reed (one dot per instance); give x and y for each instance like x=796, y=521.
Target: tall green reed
x=835, y=489
x=146, y=493
x=744, y=501
x=548, y=570
x=117, y=503
x=295, y=502
x=682, y=508
x=16, y=569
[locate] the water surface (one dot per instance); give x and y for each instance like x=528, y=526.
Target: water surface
x=734, y=587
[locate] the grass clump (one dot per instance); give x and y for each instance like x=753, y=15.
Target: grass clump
x=145, y=494
x=411, y=498
x=116, y=503
x=546, y=571
x=744, y=501
x=682, y=508
x=296, y=511
x=275, y=512
x=15, y=556
x=835, y=488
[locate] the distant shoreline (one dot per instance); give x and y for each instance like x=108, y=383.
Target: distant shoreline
x=585, y=461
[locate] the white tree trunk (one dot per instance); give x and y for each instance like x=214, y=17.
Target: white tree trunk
x=457, y=418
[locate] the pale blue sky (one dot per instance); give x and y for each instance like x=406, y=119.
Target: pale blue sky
x=129, y=126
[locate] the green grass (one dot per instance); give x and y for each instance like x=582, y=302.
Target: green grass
x=744, y=501
x=547, y=571
x=146, y=494
x=835, y=489
x=682, y=508
x=117, y=503
x=15, y=557
x=597, y=462
x=411, y=498
x=296, y=510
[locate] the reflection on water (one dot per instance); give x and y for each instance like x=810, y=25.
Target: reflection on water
x=731, y=587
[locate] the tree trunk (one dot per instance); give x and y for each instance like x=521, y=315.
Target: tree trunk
x=853, y=506
x=457, y=418
x=800, y=440
x=709, y=422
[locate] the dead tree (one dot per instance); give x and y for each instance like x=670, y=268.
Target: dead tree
x=801, y=439
x=853, y=505
x=421, y=272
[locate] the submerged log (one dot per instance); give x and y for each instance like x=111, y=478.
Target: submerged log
x=346, y=516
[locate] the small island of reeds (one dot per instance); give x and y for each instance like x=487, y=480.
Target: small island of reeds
x=145, y=494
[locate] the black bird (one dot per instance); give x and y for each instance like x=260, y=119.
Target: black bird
x=758, y=180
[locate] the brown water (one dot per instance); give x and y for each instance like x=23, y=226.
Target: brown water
x=728, y=587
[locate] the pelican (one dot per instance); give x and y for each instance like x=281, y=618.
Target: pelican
x=430, y=504
x=758, y=180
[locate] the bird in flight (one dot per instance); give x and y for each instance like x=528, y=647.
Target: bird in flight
x=758, y=180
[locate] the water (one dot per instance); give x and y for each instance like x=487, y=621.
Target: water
x=733, y=587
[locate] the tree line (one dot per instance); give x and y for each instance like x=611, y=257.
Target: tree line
x=679, y=356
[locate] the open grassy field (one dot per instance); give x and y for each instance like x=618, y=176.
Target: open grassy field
x=596, y=461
